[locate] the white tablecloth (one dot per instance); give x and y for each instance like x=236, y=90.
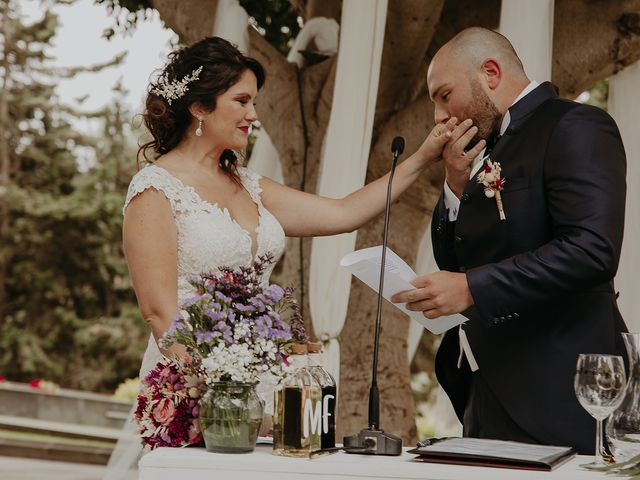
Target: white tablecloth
x=198, y=464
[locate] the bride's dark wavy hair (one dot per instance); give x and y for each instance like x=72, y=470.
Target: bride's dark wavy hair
x=222, y=66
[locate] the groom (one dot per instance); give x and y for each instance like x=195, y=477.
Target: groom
x=537, y=286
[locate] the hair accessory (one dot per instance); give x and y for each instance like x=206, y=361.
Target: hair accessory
x=176, y=89
x=199, y=129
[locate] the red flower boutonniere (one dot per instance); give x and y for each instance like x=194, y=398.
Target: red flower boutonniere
x=489, y=177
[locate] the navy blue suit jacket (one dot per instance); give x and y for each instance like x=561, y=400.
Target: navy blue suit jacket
x=541, y=280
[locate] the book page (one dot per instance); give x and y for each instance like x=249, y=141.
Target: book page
x=365, y=265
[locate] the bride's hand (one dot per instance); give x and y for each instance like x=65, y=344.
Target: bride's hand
x=431, y=149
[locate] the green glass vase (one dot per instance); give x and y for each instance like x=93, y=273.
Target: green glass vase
x=230, y=417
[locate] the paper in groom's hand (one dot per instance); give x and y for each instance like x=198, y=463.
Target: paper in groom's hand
x=365, y=265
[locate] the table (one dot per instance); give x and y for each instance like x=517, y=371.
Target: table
x=198, y=464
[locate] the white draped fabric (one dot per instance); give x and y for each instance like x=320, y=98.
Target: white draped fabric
x=624, y=107
x=344, y=162
x=529, y=27
x=324, y=33
x=231, y=24
x=425, y=264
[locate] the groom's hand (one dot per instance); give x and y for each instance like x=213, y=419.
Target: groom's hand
x=432, y=147
x=437, y=294
x=458, y=161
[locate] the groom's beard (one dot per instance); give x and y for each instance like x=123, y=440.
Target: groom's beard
x=485, y=116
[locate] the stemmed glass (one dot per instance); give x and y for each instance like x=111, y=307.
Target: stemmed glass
x=599, y=384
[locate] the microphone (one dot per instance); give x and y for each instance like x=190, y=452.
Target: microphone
x=373, y=440
x=397, y=147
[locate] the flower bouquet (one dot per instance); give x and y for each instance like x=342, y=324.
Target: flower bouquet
x=235, y=325
x=167, y=409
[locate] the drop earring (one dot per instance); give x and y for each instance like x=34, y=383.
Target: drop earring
x=199, y=129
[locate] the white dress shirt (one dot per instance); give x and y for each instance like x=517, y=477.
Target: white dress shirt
x=452, y=204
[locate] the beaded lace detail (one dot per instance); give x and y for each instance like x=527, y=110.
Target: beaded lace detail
x=208, y=237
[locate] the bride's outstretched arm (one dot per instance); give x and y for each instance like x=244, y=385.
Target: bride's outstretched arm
x=151, y=248
x=303, y=214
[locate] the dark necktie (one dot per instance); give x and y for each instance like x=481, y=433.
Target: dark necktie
x=491, y=144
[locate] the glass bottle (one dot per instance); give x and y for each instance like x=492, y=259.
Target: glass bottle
x=329, y=396
x=623, y=426
x=297, y=419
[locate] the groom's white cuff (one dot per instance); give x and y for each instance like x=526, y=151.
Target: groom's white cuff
x=451, y=202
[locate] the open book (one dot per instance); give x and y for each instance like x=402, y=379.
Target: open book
x=365, y=265
x=493, y=453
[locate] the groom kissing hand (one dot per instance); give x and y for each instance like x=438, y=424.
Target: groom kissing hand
x=528, y=237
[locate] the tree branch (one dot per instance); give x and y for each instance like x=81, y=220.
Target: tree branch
x=588, y=47
x=278, y=106
x=408, y=32
x=190, y=19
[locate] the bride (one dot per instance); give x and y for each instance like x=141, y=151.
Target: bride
x=194, y=208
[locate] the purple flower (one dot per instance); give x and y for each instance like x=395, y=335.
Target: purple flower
x=275, y=292
x=213, y=315
x=222, y=297
x=257, y=304
x=244, y=308
x=205, y=336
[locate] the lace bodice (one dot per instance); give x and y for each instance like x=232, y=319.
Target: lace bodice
x=208, y=237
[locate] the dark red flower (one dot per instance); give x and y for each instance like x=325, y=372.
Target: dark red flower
x=35, y=383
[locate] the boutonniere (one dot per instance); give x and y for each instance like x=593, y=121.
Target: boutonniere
x=489, y=177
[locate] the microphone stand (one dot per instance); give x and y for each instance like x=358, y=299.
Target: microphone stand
x=373, y=440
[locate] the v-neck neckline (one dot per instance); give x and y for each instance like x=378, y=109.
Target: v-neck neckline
x=225, y=211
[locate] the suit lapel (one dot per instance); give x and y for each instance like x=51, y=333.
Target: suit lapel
x=521, y=111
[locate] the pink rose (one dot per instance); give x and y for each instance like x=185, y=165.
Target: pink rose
x=163, y=411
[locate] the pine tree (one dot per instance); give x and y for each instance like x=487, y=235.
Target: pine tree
x=63, y=280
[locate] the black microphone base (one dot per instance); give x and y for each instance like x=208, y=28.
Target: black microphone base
x=373, y=442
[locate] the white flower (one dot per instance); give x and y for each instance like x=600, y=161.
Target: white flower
x=489, y=178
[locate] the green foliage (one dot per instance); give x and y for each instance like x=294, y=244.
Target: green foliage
x=67, y=308
x=598, y=95
x=126, y=13
x=276, y=20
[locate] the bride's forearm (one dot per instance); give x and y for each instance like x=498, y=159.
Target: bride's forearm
x=368, y=202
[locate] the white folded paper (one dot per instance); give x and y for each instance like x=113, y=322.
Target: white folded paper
x=365, y=265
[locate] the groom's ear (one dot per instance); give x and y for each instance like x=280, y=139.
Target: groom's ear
x=491, y=70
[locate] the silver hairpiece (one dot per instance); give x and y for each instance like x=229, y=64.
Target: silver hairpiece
x=176, y=89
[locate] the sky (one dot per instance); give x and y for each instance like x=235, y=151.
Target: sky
x=79, y=41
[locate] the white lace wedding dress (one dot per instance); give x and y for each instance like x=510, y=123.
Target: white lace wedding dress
x=208, y=238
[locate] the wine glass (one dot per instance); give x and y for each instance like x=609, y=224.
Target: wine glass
x=599, y=384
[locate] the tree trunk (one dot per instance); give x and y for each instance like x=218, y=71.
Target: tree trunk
x=592, y=41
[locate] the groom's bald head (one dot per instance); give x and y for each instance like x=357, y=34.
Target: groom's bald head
x=472, y=46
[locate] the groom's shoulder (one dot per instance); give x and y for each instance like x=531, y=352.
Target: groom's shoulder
x=565, y=111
